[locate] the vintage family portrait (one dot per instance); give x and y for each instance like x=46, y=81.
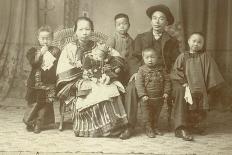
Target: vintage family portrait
x=115, y=77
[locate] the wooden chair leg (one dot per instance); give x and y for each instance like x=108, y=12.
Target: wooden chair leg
x=62, y=111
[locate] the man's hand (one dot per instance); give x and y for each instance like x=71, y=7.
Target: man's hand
x=145, y=98
x=165, y=96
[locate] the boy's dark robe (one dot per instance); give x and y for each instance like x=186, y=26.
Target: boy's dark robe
x=201, y=73
x=37, y=106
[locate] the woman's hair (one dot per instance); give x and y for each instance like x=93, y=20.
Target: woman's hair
x=45, y=28
x=83, y=18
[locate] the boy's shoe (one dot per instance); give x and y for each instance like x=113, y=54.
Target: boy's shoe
x=37, y=129
x=182, y=133
x=150, y=133
x=126, y=134
x=158, y=132
x=29, y=128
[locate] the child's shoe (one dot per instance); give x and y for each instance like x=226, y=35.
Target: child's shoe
x=150, y=133
x=37, y=128
x=29, y=128
x=158, y=132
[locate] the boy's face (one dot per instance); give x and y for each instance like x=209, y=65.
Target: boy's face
x=45, y=38
x=150, y=58
x=159, y=21
x=122, y=25
x=83, y=30
x=196, y=42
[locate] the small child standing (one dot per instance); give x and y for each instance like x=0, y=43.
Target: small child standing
x=197, y=71
x=122, y=42
x=153, y=86
x=41, y=82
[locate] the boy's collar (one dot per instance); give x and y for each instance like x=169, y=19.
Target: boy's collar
x=122, y=35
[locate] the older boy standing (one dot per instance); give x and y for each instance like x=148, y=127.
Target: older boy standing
x=168, y=47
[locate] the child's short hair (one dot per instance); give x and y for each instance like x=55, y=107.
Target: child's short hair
x=150, y=50
x=121, y=15
x=45, y=28
x=83, y=18
x=198, y=33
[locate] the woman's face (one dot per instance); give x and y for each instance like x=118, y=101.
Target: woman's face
x=83, y=30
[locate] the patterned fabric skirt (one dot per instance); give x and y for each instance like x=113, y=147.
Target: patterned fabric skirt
x=106, y=118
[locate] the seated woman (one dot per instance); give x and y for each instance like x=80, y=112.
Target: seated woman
x=98, y=109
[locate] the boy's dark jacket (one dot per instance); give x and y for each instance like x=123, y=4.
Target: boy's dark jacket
x=47, y=77
x=152, y=81
x=170, y=49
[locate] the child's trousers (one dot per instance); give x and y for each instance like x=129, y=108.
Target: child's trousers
x=150, y=112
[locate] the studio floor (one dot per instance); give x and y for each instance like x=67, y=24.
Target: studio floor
x=14, y=139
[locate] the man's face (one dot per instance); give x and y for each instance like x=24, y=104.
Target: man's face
x=159, y=21
x=196, y=42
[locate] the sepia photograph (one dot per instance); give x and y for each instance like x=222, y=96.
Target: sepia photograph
x=115, y=77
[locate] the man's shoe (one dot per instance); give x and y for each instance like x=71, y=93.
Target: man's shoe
x=181, y=133
x=126, y=134
x=158, y=132
x=150, y=133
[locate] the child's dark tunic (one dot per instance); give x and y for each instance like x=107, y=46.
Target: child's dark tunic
x=39, y=108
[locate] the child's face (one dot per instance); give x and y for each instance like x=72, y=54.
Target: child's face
x=83, y=30
x=45, y=38
x=150, y=58
x=122, y=25
x=159, y=21
x=196, y=42
x=100, y=51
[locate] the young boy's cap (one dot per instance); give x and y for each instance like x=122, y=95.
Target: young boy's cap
x=161, y=8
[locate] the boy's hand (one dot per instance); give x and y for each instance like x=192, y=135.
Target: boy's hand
x=44, y=49
x=185, y=85
x=145, y=98
x=165, y=96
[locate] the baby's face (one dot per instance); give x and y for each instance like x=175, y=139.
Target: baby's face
x=196, y=42
x=150, y=58
x=45, y=38
x=83, y=30
x=122, y=25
